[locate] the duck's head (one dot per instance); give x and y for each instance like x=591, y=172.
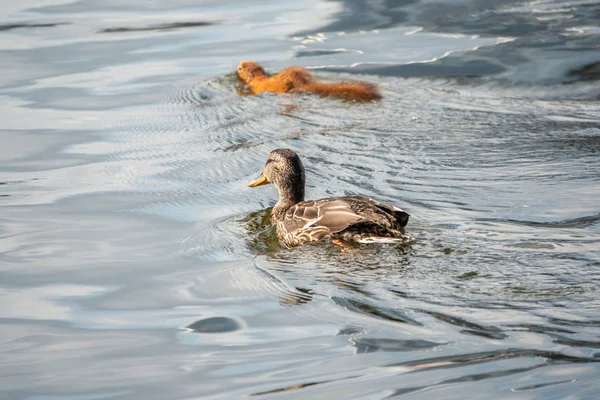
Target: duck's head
x=285, y=170
x=247, y=70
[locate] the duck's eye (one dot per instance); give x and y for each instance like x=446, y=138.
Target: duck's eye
x=239, y=68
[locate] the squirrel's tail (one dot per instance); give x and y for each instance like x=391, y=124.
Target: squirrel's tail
x=346, y=90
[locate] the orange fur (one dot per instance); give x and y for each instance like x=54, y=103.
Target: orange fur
x=295, y=79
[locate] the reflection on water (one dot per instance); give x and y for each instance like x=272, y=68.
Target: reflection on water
x=136, y=263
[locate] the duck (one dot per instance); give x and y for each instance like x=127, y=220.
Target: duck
x=343, y=219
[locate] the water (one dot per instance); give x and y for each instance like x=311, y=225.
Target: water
x=136, y=263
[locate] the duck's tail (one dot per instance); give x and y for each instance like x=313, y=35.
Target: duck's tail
x=347, y=90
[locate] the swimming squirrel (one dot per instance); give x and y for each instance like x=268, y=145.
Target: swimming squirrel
x=296, y=79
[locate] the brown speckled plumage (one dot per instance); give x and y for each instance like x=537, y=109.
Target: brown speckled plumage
x=348, y=218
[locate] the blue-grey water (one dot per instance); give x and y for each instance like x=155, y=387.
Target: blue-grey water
x=136, y=264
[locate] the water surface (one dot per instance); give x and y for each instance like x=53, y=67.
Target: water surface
x=136, y=263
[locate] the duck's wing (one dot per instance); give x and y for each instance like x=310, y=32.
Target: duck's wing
x=316, y=219
x=323, y=216
x=381, y=213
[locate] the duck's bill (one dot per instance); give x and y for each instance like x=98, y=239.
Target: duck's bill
x=260, y=181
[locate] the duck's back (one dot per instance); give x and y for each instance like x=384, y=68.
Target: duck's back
x=345, y=217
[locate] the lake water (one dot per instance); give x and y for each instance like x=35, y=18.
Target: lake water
x=135, y=263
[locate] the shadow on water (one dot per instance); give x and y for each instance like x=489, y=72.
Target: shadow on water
x=371, y=345
x=214, y=325
x=159, y=27
x=381, y=312
x=588, y=72
x=8, y=27
x=581, y=222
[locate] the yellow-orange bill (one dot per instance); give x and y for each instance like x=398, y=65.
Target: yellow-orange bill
x=260, y=181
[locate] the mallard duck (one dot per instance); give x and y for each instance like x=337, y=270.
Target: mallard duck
x=345, y=218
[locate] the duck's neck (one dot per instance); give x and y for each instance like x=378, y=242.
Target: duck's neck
x=288, y=197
